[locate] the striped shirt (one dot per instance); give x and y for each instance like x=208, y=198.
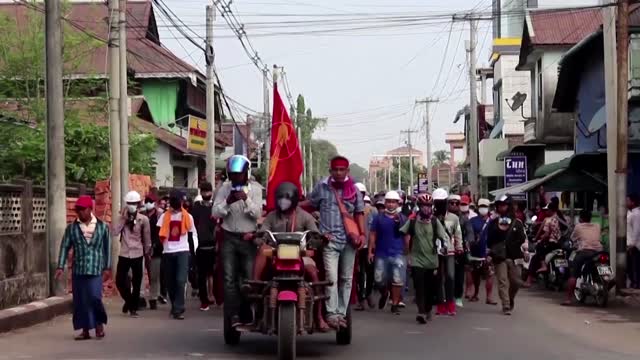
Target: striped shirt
x=323, y=199
x=89, y=257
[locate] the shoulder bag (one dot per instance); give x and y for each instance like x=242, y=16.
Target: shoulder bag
x=350, y=226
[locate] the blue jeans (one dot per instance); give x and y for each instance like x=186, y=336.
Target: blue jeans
x=338, y=257
x=392, y=268
x=177, y=269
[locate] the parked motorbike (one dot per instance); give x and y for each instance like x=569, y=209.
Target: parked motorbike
x=285, y=303
x=595, y=280
x=558, y=267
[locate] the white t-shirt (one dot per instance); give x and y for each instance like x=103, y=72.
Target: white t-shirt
x=178, y=242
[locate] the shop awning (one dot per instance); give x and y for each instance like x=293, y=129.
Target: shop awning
x=560, y=179
x=545, y=170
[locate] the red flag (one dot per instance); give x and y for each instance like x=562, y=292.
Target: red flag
x=286, y=158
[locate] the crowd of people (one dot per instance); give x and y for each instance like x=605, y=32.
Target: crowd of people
x=446, y=243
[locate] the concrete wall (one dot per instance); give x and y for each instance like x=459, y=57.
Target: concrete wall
x=489, y=150
x=512, y=82
x=164, y=170
x=23, y=249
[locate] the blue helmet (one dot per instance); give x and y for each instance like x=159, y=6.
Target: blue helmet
x=239, y=164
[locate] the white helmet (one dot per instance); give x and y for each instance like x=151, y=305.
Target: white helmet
x=361, y=187
x=367, y=198
x=132, y=197
x=392, y=195
x=440, y=194
x=198, y=198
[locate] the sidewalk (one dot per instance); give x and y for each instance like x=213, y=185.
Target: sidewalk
x=34, y=313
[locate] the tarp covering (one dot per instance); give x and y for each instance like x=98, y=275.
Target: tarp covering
x=162, y=99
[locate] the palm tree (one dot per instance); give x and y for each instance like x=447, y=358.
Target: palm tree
x=439, y=157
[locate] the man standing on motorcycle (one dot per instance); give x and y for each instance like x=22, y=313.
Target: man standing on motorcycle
x=586, y=239
x=387, y=247
x=506, y=239
x=340, y=205
x=289, y=217
x=238, y=203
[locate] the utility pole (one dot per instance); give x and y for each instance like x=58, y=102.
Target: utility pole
x=114, y=122
x=123, y=103
x=473, y=109
x=611, y=91
x=399, y=173
x=310, y=169
x=409, y=144
x=211, y=97
x=622, y=141
x=427, y=119
x=267, y=121
x=55, y=172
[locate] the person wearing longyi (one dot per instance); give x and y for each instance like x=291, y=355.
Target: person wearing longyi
x=176, y=226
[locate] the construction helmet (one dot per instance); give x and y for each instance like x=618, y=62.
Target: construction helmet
x=392, y=195
x=132, y=197
x=440, y=194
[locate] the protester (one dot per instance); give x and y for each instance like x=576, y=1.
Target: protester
x=548, y=238
x=452, y=246
x=480, y=267
x=135, y=246
x=422, y=234
x=153, y=212
x=586, y=241
x=91, y=243
x=238, y=203
x=289, y=217
x=387, y=247
x=366, y=274
x=633, y=239
x=206, y=253
x=176, y=228
x=506, y=240
x=340, y=205
x=459, y=206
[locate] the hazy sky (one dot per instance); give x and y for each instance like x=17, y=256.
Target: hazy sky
x=364, y=81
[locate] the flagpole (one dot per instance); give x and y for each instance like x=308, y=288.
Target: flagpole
x=268, y=146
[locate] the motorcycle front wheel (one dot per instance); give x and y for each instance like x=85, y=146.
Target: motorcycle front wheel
x=287, y=331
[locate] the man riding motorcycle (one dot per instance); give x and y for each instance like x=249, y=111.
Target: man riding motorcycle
x=288, y=217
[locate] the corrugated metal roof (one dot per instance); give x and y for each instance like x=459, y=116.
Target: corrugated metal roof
x=562, y=27
x=145, y=52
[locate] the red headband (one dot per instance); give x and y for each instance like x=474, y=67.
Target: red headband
x=339, y=162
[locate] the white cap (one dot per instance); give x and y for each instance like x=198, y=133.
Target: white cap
x=198, y=198
x=132, y=197
x=392, y=195
x=367, y=198
x=440, y=194
x=484, y=202
x=361, y=187
x=454, y=197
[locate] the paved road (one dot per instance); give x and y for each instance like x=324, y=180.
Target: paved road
x=539, y=329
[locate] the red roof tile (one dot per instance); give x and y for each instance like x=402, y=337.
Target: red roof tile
x=145, y=53
x=564, y=27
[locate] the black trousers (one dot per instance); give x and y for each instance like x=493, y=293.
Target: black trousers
x=542, y=249
x=163, y=277
x=130, y=292
x=205, y=262
x=426, y=285
x=364, y=282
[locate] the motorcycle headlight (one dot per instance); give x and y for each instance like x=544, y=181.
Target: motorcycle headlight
x=288, y=252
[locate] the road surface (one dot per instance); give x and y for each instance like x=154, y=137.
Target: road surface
x=539, y=329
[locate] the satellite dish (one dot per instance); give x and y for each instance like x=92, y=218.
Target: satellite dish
x=598, y=120
x=517, y=101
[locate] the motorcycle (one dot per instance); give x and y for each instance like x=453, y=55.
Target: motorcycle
x=285, y=303
x=530, y=251
x=558, y=267
x=595, y=279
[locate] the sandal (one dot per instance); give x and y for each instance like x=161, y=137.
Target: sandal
x=342, y=322
x=83, y=336
x=491, y=302
x=323, y=327
x=333, y=323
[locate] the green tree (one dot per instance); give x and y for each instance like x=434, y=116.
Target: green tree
x=440, y=157
x=323, y=151
x=358, y=173
x=405, y=173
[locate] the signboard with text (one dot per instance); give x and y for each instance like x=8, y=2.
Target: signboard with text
x=515, y=173
x=423, y=183
x=197, y=138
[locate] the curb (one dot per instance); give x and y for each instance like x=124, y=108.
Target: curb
x=34, y=313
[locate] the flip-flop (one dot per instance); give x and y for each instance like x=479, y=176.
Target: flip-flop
x=333, y=323
x=491, y=302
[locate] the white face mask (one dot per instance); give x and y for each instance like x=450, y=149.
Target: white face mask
x=483, y=211
x=464, y=208
x=149, y=206
x=132, y=208
x=284, y=204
